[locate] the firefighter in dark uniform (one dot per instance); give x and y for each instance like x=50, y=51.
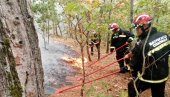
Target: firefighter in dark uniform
x=154, y=47
x=95, y=41
x=119, y=38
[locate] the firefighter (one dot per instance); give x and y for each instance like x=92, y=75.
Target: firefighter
x=119, y=38
x=95, y=41
x=149, y=59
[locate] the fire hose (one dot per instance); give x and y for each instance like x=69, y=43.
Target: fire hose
x=92, y=63
x=116, y=71
x=72, y=87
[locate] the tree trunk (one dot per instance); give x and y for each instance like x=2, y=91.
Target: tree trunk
x=44, y=36
x=10, y=85
x=70, y=31
x=108, y=35
x=83, y=81
x=87, y=47
x=131, y=13
x=60, y=29
x=48, y=30
x=98, y=51
x=108, y=42
x=21, y=73
x=56, y=31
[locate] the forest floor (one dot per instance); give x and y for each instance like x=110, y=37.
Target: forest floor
x=112, y=86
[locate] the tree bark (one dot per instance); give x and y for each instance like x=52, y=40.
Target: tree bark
x=108, y=43
x=131, y=13
x=22, y=77
x=87, y=47
x=60, y=29
x=10, y=85
x=48, y=30
x=83, y=81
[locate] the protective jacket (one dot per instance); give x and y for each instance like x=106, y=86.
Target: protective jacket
x=95, y=38
x=120, y=38
x=156, y=51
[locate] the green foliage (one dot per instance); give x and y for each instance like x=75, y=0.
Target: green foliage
x=46, y=11
x=15, y=91
x=7, y=43
x=101, y=95
x=106, y=7
x=103, y=14
x=159, y=9
x=123, y=93
x=92, y=91
x=71, y=8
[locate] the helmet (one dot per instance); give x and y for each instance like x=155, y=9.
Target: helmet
x=113, y=26
x=140, y=20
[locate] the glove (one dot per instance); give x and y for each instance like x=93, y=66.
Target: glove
x=126, y=56
x=128, y=67
x=130, y=39
x=129, y=55
x=127, y=48
x=112, y=48
x=124, y=69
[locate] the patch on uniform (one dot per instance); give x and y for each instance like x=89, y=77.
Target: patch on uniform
x=122, y=35
x=158, y=41
x=159, y=48
x=115, y=37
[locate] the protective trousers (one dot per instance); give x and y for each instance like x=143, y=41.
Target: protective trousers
x=157, y=89
x=120, y=54
x=98, y=48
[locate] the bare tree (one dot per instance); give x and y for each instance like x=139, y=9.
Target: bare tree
x=81, y=38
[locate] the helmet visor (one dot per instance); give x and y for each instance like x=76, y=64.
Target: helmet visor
x=112, y=29
x=135, y=26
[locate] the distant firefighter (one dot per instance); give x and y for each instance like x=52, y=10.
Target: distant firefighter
x=119, y=38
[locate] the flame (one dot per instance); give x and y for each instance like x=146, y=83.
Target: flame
x=89, y=1
x=76, y=62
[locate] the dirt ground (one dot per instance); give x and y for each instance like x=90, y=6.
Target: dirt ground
x=112, y=86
